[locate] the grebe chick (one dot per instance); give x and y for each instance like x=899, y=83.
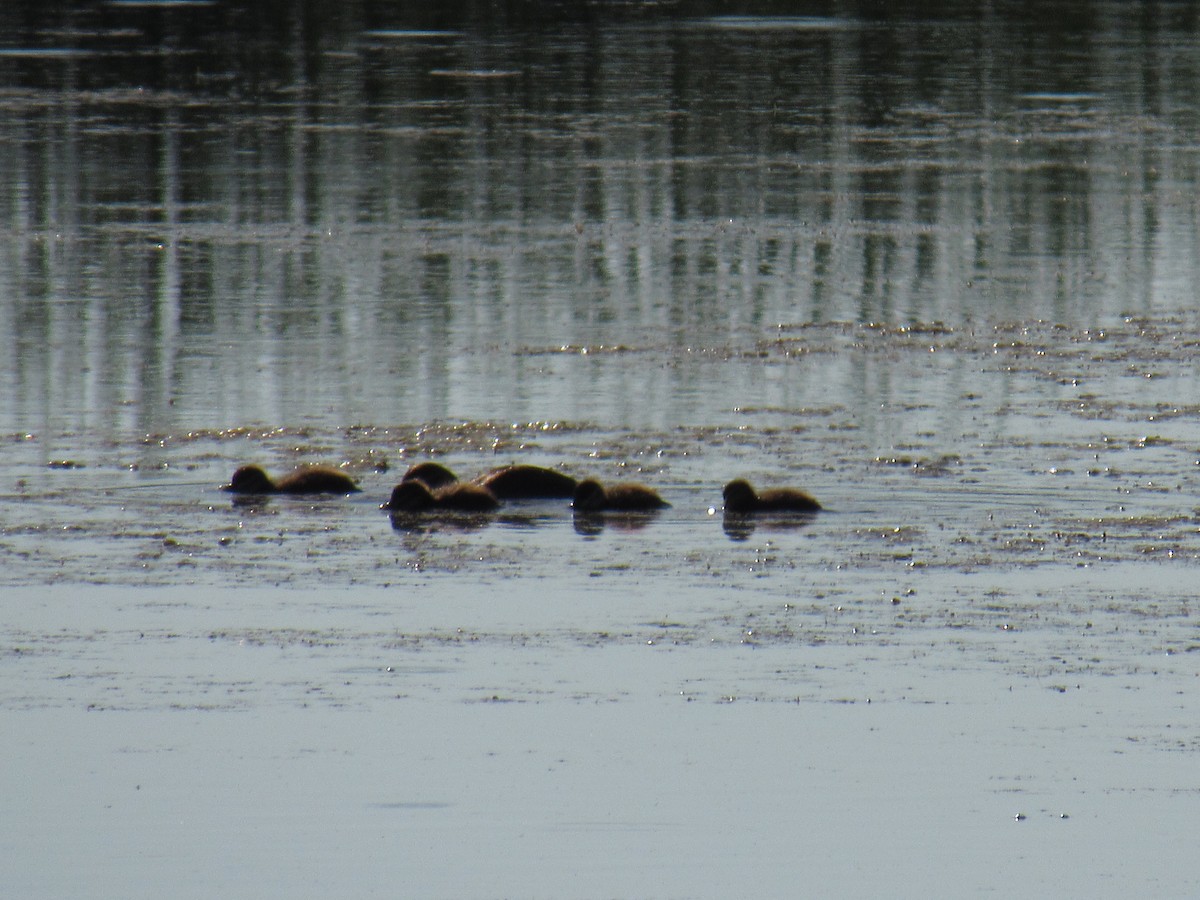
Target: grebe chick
x=305, y=480
x=525, y=482
x=416, y=496
x=740, y=497
x=592, y=496
x=432, y=474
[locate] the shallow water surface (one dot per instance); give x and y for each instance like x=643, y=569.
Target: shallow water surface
x=939, y=269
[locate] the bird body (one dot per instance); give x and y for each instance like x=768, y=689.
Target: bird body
x=432, y=474
x=740, y=497
x=304, y=480
x=416, y=496
x=592, y=496
x=525, y=482
x=514, y=482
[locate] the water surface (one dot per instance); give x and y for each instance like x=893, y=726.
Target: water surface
x=939, y=268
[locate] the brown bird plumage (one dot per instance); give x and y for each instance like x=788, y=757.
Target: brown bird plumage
x=740, y=497
x=592, y=496
x=305, y=480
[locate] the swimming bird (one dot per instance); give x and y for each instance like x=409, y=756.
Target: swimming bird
x=416, y=496
x=514, y=482
x=524, y=482
x=740, y=497
x=305, y=480
x=432, y=474
x=592, y=496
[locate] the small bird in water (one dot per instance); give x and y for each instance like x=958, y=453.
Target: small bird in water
x=431, y=474
x=416, y=496
x=592, y=496
x=740, y=497
x=515, y=482
x=305, y=480
x=525, y=482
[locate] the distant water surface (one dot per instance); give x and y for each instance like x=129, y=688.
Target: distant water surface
x=338, y=215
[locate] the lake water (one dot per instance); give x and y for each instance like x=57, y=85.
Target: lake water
x=937, y=267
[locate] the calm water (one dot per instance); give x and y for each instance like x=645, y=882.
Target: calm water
x=939, y=267
x=214, y=219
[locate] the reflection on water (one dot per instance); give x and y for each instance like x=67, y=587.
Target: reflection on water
x=338, y=214
x=740, y=527
x=438, y=521
x=592, y=523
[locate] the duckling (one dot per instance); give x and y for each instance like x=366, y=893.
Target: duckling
x=432, y=474
x=514, y=482
x=305, y=480
x=740, y=497
x=416, y=496
x=592, y=496
x=525, y=482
